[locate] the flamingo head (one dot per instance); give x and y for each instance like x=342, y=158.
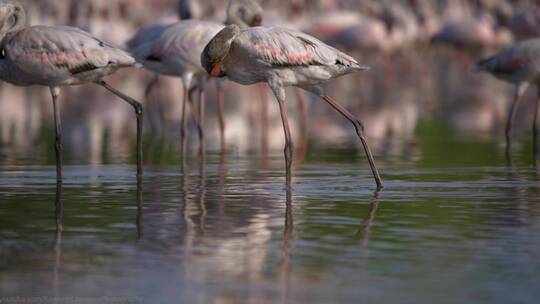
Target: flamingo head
x=244, y=13
x=217, y=50
x=12, y=16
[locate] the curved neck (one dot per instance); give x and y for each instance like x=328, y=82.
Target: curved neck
x=233, y=15
x=236, y=21
x=14, y=20
x=232, y=18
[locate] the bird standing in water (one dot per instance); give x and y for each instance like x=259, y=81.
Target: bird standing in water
x=175, y=50
x=519, y=65
x=282, y=58
x=57, y=56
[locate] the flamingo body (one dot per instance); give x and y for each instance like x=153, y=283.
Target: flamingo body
x=282, y=57
x=58, y=56
x=175, y=50
x=520, y=65
x=517, y=64
x=288, y=57
x=146, y=34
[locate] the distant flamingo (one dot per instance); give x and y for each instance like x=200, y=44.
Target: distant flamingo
x=519, y=65
x=55, y=57
x=282, y=57
x=175, y=50
x=472, y=33
x=525, y=23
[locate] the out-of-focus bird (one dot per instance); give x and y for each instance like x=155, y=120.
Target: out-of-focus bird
x=331, y=23
x=56, y=56
x=525, y=24
x=175, y=50
x=369, y=34
x=520, y=65
x=471, y=33
x=282, y=58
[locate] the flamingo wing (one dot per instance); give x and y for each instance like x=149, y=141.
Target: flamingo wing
x=280, y=47
x=61, y=49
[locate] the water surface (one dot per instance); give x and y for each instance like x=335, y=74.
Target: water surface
x=227, y=230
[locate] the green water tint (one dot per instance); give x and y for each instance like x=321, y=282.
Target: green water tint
x=455, y=225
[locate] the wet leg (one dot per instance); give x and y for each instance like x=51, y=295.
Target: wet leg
x=359, y=131
x=137, y=106
x=58, y=147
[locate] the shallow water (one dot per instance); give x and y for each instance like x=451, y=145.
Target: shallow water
x=228, y=231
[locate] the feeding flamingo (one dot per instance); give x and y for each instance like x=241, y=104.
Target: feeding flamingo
x=282, y=58
x=175, y=50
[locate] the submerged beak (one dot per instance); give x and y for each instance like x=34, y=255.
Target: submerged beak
x=216, y=70
x=257, y=21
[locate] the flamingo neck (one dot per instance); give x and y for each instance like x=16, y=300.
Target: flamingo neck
x=15, y=20
x=233, y=19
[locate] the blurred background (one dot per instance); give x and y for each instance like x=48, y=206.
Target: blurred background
x=423, y=77
x=454, y=224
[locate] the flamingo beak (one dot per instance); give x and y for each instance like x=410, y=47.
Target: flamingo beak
x=257, y=21
x=216, y=70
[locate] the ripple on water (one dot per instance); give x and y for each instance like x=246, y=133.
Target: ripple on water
x=233, y=233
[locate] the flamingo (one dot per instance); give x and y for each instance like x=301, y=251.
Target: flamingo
x=175, y=50
x=57, y=56
x=282, y=57
x=472, y=33
x=518, y=65
x=525, y=24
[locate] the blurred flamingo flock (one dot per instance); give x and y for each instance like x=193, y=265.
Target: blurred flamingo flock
x=422, y=54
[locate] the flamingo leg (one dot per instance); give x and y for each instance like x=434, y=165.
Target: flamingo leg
x=147, y=91
x=194, y=113
x=183, y=122
x=137, y=106
x=202, y=105
x=536, y=123
x=58, y=147
x=221, y=114
x=151, y=85
x=519, y=92
x=264, y=119
x=360, y=132
x=304, y=125
x=302, y=109
x=288, y=139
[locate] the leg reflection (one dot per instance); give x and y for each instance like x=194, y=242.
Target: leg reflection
x=536, y=125
x=139, y=209
x=284, y=266
x=187, y=211
x=364, y=231
x=221, y=185
x=202, y=194
x=57, y=247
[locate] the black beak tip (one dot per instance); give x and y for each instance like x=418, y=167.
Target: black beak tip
x=257, y=21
